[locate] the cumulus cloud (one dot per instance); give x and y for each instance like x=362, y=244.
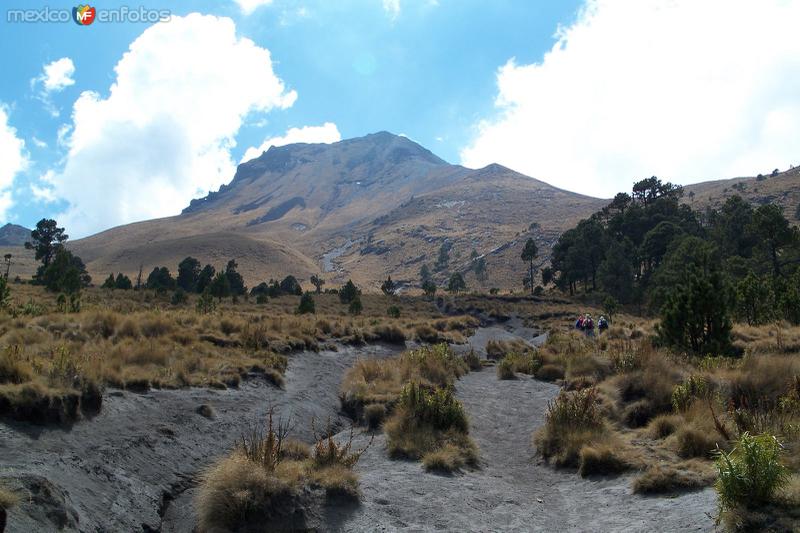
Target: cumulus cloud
x=327, y=133
x=164, y=133
x=248, y=6
x=55, y=77
x=683, y=89
x=13, y=159
x=392, y=7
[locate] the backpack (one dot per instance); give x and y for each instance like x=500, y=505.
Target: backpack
x=589, y=323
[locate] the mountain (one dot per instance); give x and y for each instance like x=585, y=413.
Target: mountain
x=362, y=208
x=14, y=235
x=780, y=188
x=375, y=206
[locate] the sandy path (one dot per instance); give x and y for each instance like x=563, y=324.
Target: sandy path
x=137, y=460
x=512, y=491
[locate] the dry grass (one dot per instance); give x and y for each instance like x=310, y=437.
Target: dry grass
x=268, y=478
x=668, y=479
x=138, y=340
x=665, y=413
x=8, y=499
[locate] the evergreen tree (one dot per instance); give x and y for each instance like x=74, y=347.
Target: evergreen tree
x=774, y=233
x=66, y=273
x=235, y=280
x=456, y=283
x=480, y=269
x=220, y=286
x=695, y=316
x=290, y=285
x=348, y=292
x=46, y=239
x=188, y=274
x=616, y=271
x=424, y=274
x=429, y=288
x=306, y=304
x=529, y=254
x=388, y=287
x=754, y=300
x=317, y=282
x=109, y=283
x=204, y=278
x=355, y=306
x=123, y=282
x=160, y=280
x=444, y=257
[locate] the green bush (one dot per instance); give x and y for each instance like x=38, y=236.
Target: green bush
x=439, y=407
x=355, y=306
x=306, y=305
x=505, y=369
x=684, y=394
x=393, y=311
x=751, y=473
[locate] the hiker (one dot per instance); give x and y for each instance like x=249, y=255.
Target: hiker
x=579, y=322
x=588, y=326
x=602, y=324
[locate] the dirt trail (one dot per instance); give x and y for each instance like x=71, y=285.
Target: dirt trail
x=133, y=466
x=512, y=491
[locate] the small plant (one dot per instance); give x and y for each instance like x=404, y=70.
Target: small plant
x=751, y=473
x=684, y=394
x=205, y=304
x=505, y=368
x=263, y=446
x=439, y=407
x=5, y=293
x=328, y=453
x=393, y=311
x=306, y=305
x=355, y=306
x=179, y=297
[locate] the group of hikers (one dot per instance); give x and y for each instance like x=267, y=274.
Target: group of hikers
x=585, y=323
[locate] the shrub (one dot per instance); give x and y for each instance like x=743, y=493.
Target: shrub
x=101, y=323
x=472, y=360
x=693, y=442
x=448, y=458
x=355, y=306
x=439, y=408
x=179, y=297
x=572, y=420
x=663, y=426
x=505, y=369
x=602, y=460
x=426, y=333
x=638, y=413
x=374, y=414
x=306, y=305
x=390, y=333
x=550, y=372
x=751, y=473
x=205, y=303
x=393, y=311
x=658, y=479
x=685, y=393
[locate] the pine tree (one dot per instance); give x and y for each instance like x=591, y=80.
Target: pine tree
x=306, y=304
x=695, y=315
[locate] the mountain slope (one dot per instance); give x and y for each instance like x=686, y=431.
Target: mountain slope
x=363, y=208
x=14, y=235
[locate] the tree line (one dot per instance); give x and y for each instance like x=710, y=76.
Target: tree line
x=697, y=269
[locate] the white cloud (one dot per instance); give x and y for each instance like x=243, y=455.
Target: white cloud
x=55, y=77
x=686, y=90
x=44, y=193
x=163, y=135
x=327, y=133
x=248, y=6
x=13, y=159
x=38, y=142
x=392, y=7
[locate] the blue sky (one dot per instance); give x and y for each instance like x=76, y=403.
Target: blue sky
x=586, y=95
